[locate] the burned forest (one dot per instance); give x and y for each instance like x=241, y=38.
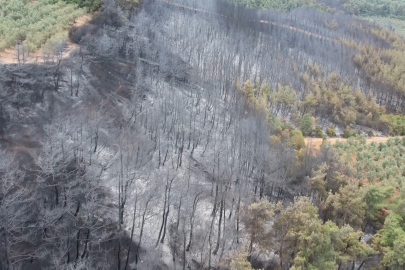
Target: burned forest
x=176, y=134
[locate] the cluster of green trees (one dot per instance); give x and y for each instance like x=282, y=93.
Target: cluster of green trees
x=384, y=8
x=358, y=187
x=392, y=24
x=387, y=13
x=379, y=170
x=383, y=69
x=34, y=22
x=323, y=97
x=394, y=123
x=375, y=162
x=301, y=238
x=328, y=96
x=386, y=67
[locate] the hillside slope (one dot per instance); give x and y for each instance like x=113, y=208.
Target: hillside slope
x=173, y=138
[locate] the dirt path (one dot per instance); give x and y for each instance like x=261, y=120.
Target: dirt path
x=8, y=56
x=316, y=143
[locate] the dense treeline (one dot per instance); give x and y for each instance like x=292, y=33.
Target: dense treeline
x=384, y=8
x=379, y=171
x=359, y=188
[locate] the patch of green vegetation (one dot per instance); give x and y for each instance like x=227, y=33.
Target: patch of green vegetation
x=348, y=132
x=382, y=8
x=374, y=162
x=330, y=131
x=318, y=133
x=35, y=22
x=326, y=95
x=392, y=24
x=376, y=172
x=387, y=13
x=307, y=123
x=394, y=123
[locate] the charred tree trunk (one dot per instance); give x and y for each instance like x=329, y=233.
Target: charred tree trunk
x=219, y=228
x=132, y=235
x=86, y=243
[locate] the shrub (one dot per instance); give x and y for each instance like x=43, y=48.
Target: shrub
x=318, y=133
x=307, y=122
x=395, y=124
x=297, y=139
x=330, y=131
x=348, y=132
x=370, y=133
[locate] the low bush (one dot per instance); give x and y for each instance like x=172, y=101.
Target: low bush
x=349, y=132
x=395, y=124
x=318, y=133
x=330, y=131
x=306, y=124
